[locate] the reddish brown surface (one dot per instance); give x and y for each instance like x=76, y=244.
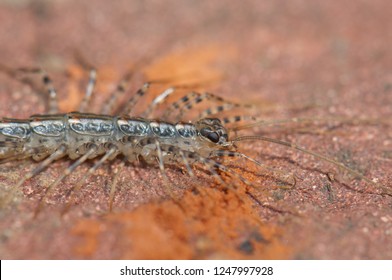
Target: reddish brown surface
x=289, y=58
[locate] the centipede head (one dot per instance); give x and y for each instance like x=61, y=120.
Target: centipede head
x=212, y=130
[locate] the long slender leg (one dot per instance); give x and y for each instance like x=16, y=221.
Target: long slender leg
x=75, y=189
x=163, y=172
x=114, y=185
x=186, y=163
x=65, y=173
x=257, y=122
x=161, y=98
x=184, y=156
x=143, y=91
x=385, y=190
x=216, y=165
x=177, y=105
x=223, y=153
x=109, y=108
x=217, y=109
x=159, y=153
x=135, y=98
x=53, y=102
x=187, y=102
x=195, y=157
x=52, y=105
x=60, y=152
x=212, y=165
x=89, y=91
x=158, y=100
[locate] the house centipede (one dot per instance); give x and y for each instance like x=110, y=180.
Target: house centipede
x=83, y=136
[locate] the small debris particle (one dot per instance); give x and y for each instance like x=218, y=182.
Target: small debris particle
x=246, y=247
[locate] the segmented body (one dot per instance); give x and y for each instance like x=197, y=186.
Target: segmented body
x=82, y=136
x=41, y=135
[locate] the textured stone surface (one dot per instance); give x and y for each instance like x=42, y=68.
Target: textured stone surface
x=313, y=59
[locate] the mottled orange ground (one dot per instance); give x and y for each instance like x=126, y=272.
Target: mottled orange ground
x=309, y=59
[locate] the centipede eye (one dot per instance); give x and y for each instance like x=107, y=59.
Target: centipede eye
x=210, y=135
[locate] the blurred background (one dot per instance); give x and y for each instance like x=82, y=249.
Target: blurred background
x=297, y=58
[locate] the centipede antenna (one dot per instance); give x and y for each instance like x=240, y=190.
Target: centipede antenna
x=89, y=90
x=294, y=146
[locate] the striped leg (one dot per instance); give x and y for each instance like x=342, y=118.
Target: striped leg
x=161, y=98
x=157, y=101
x=191, y=157
x=179, y=104
x=135, y=98
x=110, y=106
x=189, y=100
x=52, y=105
x=89, y=91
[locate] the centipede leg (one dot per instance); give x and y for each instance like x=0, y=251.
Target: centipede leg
x=212, y=165
x=163, y=172
x=114, y=185
x=135, y=98
x=179, y=104
x=52, y=105
x=158, y=100
x=76, y=189
x=59, y=153
x=223, y=153
x=89, y=91
x=65, y=173
x=187, y=102
x=111, y=104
